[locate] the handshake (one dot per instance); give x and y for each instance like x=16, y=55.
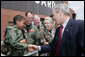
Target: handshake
x=33, y=48
x=30, y=47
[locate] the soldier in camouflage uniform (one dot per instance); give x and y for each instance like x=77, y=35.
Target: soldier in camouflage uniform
x=49, y=30
x=31, y=28
x=39, y=34
x=34, y=34
x=15, y=37
x=31, y=31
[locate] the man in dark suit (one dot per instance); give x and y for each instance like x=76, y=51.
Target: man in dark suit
x=69, y=37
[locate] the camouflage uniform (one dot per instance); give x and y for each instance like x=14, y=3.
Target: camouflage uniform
x=39, y=36
x=31, y=31
x=12, y=38
x=49, y=35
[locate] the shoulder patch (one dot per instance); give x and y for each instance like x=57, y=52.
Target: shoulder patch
x=31, y=30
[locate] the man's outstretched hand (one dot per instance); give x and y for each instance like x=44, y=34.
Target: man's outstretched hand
x=33, y=48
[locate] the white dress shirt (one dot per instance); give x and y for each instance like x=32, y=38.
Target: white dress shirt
x=64, y=25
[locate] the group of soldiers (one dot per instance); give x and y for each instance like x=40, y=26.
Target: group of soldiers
x=25, y=31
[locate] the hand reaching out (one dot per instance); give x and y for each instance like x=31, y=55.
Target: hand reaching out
x=33, y=48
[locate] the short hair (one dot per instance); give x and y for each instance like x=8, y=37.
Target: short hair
x=51, y=15
x=36, y=16
x=48, y=18
x=28, y=12
x=18, y=18
x=64, y=7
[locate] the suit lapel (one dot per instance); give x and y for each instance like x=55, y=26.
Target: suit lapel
x=66, y=31
x=56, y=36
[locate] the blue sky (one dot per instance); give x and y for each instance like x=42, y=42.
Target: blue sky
x=78, y=7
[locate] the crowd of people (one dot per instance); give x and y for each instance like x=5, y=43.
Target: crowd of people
x=27, y=34
x=30, y=30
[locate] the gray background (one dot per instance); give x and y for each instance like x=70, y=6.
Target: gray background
x=28, y=6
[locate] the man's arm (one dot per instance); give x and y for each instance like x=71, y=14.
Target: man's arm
x=45, y=48
x=13, y=42
x=81, y=38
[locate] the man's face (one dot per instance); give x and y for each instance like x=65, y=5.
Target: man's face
x=57, y=17
x=37, y=22
x=29, y=17
x=48, y=25
x=21, y=24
